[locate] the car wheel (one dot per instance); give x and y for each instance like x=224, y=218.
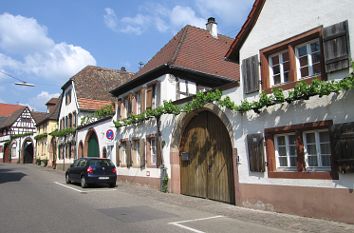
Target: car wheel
x=83, y=182
x=67, y=179
x=112, y=185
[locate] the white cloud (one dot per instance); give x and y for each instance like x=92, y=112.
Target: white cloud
x=110, y=18
x=41, y=99
x=232, y=12
x=25, y=48
x=137, y=24
x=181, y=16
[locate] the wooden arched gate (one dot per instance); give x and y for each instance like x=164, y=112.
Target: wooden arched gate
x=206, y=159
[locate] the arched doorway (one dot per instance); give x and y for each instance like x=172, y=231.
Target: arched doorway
x=13, y=150
x=206, y=167
x=91, y=144
x=81, y=150
x=7, y=155
x=28, y=151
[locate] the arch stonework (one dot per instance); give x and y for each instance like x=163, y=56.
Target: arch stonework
x=89, y=133
x=181, y=123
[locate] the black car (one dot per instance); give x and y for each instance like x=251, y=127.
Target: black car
x=88, y=171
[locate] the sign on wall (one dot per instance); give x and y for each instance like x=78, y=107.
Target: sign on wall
x=110, y=135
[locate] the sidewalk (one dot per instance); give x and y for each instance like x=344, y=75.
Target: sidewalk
x=290, y=223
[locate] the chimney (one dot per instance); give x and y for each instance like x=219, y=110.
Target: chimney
x=123, y=69
x=212, y=27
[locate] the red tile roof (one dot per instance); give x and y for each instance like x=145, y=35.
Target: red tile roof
x=233, y=53
x=195, y=49
x=8, y=109
x=91, y=104
x=52, y=101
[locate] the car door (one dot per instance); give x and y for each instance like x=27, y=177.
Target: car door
x=81, y=169
x=72, y=170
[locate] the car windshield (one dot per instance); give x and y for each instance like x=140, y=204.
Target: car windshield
x=101, y=163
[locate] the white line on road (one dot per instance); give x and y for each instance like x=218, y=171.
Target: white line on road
x=84, y=191
x=68, y=187
x=178, y=224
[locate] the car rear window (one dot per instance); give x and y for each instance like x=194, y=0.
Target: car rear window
x=101, y=163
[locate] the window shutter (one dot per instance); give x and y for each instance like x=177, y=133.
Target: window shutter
x=255, y=152
x=142, y=153
x=133, y=101
x=148, y=152
x=158, y=152
x=142, y=98
x=117, y=155
x=129, y=154
x=177, y=89
x=250, y=74
x=342, y=138
x=158, y=94
x=149, y=97
x=336, y=47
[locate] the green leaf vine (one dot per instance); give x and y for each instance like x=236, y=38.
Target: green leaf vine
x=62, y=133
x=301, y=91
x=40, y=136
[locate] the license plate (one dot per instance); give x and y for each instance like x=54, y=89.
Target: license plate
x=103, y=178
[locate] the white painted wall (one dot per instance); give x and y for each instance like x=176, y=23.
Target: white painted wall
x=278, y=21
x=100, y=129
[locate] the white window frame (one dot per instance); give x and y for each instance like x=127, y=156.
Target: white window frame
x=281, y=61
x=123, y=153
x=136, y=148
x=309, y=59
x=318, y=150
x=288, y=167
x=153, y=155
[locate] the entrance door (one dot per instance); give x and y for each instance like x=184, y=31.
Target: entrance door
x=93, y=150
x=206, y=166
x=28, y=153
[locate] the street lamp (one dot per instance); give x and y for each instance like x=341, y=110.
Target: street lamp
x=21, y=82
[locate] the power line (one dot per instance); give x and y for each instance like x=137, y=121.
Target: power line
x=12, y=76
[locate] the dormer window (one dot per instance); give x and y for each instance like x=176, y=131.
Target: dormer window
x=68, y=97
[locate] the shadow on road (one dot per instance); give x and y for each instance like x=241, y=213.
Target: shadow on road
x=9, y=175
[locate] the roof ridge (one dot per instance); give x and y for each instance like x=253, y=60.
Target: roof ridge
x=180, y=43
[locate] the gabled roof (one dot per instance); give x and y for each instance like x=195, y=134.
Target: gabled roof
x=94, y=83
x=193, y=50
x=55, y=114
x=8, y=109
x=52, y=101
x=233, y=53
x=8, y=121
x=39, y=116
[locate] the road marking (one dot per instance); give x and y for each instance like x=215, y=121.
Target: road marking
x=84, y=191
x=68, y=187
x=178, y=224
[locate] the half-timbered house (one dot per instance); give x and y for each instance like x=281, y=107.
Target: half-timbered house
x=16, y=134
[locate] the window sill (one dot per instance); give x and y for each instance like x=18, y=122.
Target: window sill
x=319, y=175
x=291, y=85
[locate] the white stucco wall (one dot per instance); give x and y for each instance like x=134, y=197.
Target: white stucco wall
x=65, y=109
x=278, y=21
x=100, y=129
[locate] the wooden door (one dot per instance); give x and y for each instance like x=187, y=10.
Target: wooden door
x=209, y=172
x=93, y=149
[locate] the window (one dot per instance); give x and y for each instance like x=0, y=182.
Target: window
x=136, y=154
x=74, y=119
x=153, y=95
x=308, y=59
x=279, y=68
x=68, y=97
x=138, y=105
x=123, y=153
x=317, y=149
x=70, y=121
x=287, y=62
x=153, y=151
x=285, y=151
x=300, y=151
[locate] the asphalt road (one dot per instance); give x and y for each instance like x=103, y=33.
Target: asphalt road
x=36, y=200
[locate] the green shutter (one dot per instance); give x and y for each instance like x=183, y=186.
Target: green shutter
x=93, y=150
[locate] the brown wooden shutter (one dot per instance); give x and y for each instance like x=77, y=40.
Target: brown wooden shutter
x=122, y=109
x=250, y=74
x=148, y=152
x=336, y=47
x=158, y=93
x=158, y=151
x=117, y=155
x=142, y=98
x=342, y=144
x=142, y=152
x=255, y=152
x=129, y=154
x=134, y=110
x=149, y=97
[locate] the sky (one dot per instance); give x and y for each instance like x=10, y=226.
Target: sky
x=46, y=42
